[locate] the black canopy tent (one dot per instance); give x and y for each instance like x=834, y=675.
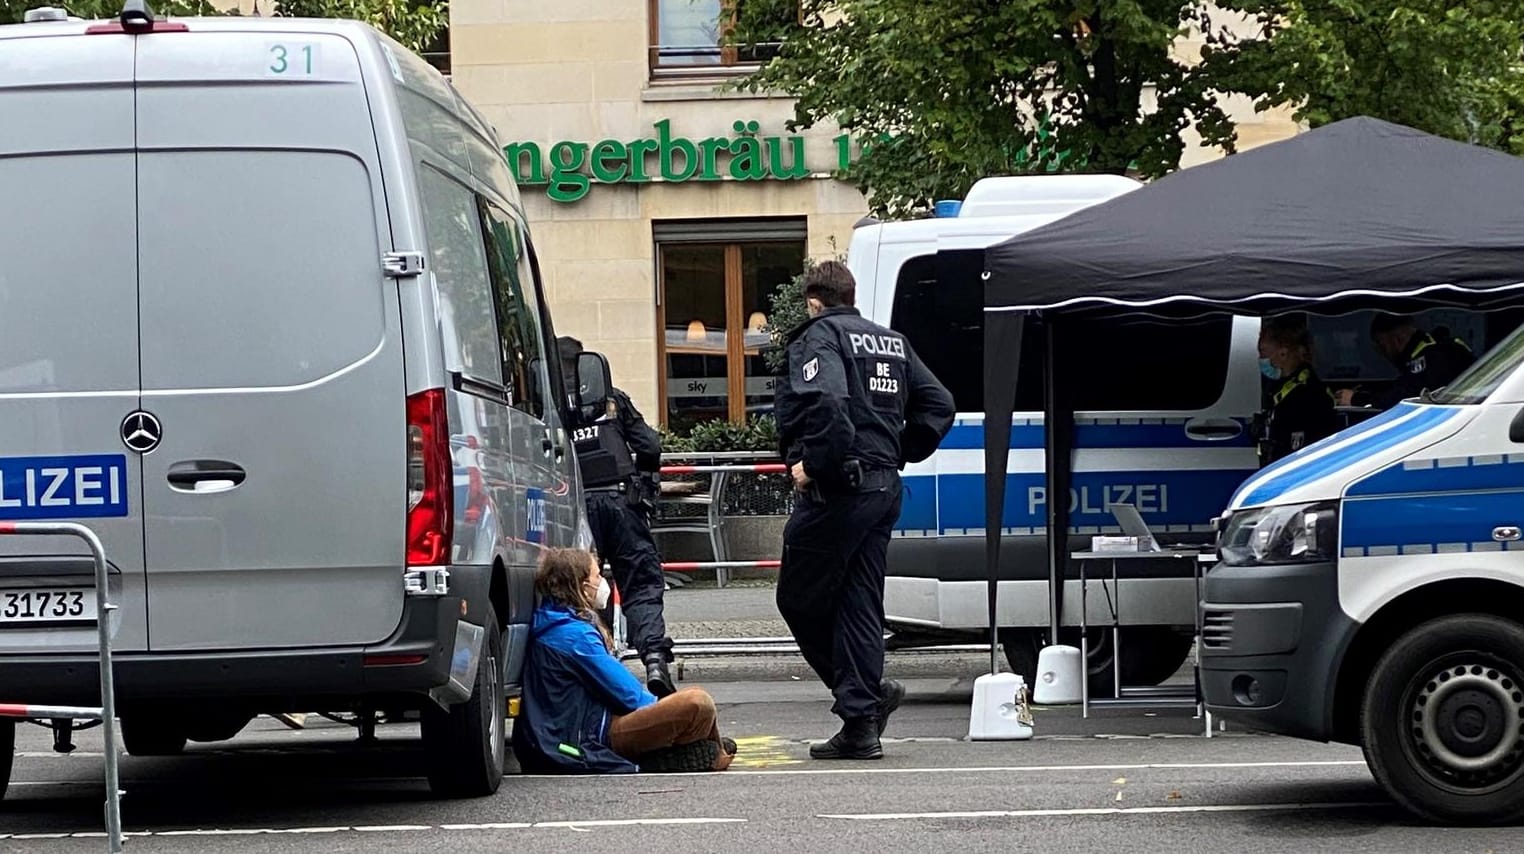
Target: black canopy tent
x=1352, y=215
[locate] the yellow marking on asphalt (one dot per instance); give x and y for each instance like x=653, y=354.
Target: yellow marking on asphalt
x=763, y=751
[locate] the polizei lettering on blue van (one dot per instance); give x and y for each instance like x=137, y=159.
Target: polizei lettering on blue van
x=63, y=487
x=1147, y=497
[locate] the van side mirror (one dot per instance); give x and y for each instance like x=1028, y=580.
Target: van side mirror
x=595, y=385
x=1516, y=428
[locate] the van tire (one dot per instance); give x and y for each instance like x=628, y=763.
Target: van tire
x=7, y=753
x=467, y=744
x=1451, y=689
x=1152, y=654
x=148, y=735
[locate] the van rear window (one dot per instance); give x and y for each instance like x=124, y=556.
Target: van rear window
x=1113, y=364
x=258, y=268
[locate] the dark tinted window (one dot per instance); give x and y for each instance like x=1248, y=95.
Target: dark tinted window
x=1122, y=363
x=517, y=312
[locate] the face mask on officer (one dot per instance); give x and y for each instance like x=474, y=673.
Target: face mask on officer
x=1268, y=368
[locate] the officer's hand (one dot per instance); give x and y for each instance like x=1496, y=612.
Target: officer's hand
x=1345, y=397
x=801, y=480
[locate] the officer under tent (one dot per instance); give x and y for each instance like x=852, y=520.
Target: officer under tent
x=1354, y=216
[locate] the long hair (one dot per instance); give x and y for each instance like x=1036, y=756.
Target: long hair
x=560, y=580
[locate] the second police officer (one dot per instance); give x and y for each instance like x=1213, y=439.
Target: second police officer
x=1425, y=361
x=855, y=406
x=618, y=455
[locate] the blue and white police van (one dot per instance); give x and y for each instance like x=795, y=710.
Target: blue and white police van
x=1370, y=591
x=1167, y=430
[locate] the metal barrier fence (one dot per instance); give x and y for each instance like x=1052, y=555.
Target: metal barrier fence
x=106, y=711
x=701, y=492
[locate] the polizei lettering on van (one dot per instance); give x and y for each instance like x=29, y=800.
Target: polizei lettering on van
x=1147, y=497
x=877, y=345
x=63, y=487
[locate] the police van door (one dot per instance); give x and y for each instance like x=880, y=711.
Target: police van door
x=68, y=341
x=271, y=347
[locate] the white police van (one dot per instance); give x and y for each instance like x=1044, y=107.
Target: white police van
x=1167, y=431
x=1371, y=592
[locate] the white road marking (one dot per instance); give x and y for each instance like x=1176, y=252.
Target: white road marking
x=995, y=769
x=1098, y=811
x=394, y=828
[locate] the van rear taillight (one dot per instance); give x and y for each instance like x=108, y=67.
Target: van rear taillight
x=429, y=480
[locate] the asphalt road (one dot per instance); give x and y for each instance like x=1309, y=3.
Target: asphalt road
x=1130, y=781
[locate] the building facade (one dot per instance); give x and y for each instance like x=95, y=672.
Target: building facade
x=665, y=209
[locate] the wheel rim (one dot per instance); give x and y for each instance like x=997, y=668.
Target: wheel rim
x=1465, y=724
x=499, y=710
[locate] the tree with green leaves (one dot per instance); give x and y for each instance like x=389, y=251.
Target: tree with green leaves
x=941, y=93
x=14, y=11
x=1448, y=67
x=415, y=23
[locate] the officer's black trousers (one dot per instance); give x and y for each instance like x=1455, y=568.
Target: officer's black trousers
x=831, y=588
x=623, y=538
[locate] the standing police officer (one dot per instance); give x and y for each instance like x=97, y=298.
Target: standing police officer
x=619, y=454
x=855, y=406
x=1299, y=407
x=1426, y=361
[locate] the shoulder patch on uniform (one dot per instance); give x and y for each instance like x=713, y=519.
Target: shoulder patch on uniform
x=811, y=369
x=1418, y=365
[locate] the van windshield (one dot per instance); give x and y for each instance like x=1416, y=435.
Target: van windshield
x=1479, y=381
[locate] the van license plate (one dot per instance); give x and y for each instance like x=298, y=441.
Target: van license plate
x=47, y=605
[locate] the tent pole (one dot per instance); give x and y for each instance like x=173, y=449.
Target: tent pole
x=1003, y=332
x=1058, y=434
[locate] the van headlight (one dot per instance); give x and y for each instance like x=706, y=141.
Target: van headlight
x=1287, y=533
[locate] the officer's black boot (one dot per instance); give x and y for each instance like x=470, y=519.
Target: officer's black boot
x=858, y=739
x=658, y=677
x=893, y=694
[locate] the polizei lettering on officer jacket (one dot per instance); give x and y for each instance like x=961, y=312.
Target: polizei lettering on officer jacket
x=877, y=345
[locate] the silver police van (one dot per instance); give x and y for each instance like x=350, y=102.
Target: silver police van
x=272, y=324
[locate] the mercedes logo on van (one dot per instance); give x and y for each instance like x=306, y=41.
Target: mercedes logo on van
x=141, y=431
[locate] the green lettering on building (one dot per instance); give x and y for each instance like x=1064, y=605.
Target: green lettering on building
x=567, y=169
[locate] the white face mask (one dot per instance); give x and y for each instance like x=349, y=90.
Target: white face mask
x=601, y=598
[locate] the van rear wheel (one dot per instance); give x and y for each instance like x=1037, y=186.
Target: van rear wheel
x=7, y=753
x=1442, y=723
x=467, y=744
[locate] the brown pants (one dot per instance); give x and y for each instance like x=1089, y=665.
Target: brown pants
x=681, y=718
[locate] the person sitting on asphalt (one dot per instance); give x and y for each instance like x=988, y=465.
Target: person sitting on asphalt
x=581, y=710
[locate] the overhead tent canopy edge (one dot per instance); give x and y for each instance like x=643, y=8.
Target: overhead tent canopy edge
x=1349, y=216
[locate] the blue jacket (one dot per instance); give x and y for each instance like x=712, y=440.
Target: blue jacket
x=572, y=689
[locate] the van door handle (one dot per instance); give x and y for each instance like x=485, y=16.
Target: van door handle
x=1213, y=429
x=202, y=476
x=547, y=444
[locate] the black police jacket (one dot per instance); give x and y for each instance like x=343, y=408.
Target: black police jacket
x=857, y=391
x=612, y=448
x=1301, y=412
x=1430, y=363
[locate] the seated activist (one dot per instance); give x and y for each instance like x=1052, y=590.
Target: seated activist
x=581, y=710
